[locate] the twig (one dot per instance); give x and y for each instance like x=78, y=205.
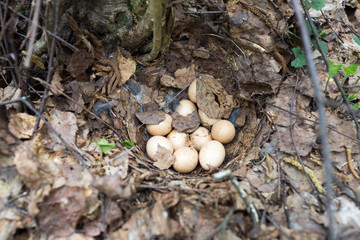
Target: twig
x=250, y=206
x=328, y=22
x=33, y=32
x=51, y=58
x=323, y=122
x=57, y=91
x=292, y=132
x=172, y=99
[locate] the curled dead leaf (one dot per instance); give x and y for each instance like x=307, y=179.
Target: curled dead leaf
x=212, y=97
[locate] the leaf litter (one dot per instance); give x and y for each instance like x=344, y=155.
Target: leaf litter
x=47, y=192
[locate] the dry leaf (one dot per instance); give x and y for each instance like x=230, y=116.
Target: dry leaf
x=78, y=64
x=60, y=212
x=187, y=123
x=304, y=139
x=65, y=124
x=22, y=125
x=164, y=158
x=151, y=117
x=114, y=187
x=213, y=100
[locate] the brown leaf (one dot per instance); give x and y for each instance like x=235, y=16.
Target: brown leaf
x=114, y=187
x=212, y=98
x=304, y=140
x=151, y=117
x=78, y=64
x=27, y=161
x=127, y=66
x=183, y=77
x=187, y=123
x=60, y=212
x=164, y=158
x=65, y=124
x=22, y=125
x=148, y=224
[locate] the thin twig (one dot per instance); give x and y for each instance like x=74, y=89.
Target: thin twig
x=222, y=226
x=33, y=32
x=250, y=206
x=51, y=58
x=323, y=122
x=292, y=132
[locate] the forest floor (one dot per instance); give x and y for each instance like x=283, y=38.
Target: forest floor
x=83, y=172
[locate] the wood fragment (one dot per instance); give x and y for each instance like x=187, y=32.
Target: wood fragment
x=351, y=163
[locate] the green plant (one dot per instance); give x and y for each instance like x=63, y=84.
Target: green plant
x=128, y=144
x=349, y=70
x=104, y=145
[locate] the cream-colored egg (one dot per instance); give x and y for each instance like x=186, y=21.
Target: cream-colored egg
x=212, y=153
x=185, y=107
x=162, y=128
x=178, y=139
x=205, y=120
x=152, y=146
x=200, y=137
x=186, y=159
x=192, y=92
x=223, y=131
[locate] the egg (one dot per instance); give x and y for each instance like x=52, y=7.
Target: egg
x=185, y=107
x=162, y=128
x=178, y=139
x=223, y=131
x=199, y=137
x=186, y=159
x=152, y=146
x=205, y=120
x=212, y=153
x=192, y=91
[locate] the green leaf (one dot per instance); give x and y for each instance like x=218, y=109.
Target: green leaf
x=128, y=144
x=350, y=70
x=104, y=145
x=322, y=34
x=299, y=60
x=355, y=107
x=315, y=4
x=351, y=97
x=323, y=46
x=356, y=39
x=333, y=69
